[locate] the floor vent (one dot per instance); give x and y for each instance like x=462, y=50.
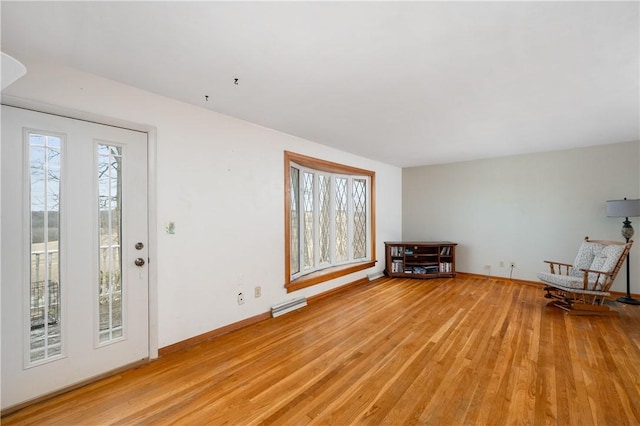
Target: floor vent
x=289, y=306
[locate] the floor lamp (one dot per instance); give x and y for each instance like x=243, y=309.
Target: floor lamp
x=625, y=208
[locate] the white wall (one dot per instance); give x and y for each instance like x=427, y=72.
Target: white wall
x=525, y=208
x=220, y=180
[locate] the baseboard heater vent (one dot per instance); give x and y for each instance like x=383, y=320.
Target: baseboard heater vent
x=375, y=275
x=289, y=306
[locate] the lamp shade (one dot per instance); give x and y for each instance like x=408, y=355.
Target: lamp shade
x=623, y=208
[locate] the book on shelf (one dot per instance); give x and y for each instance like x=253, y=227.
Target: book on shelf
x=397, y=251
x=446, y=266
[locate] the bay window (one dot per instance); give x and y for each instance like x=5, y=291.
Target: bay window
x=329, y=220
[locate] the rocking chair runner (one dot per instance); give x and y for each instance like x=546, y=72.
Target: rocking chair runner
x=582, y=288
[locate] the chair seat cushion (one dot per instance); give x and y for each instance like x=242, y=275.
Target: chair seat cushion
x=567, y=281
x=570, y=283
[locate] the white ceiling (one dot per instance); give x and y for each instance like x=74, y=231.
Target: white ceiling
x=405, y=83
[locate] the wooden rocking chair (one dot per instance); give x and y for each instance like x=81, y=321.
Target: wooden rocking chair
x=582, y=288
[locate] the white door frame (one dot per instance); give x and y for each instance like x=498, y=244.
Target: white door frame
x=151, y=132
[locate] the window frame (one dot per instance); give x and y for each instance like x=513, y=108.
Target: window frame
x=331, y=272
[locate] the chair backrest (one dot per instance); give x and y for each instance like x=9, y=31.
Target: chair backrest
x=609, y=258
x=587, y=252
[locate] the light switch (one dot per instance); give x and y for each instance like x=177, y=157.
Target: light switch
x=170, y=227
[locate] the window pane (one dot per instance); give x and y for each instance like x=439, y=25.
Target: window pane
x=324, y=219
x=294, y=238
x=307, y=186
x=359, y=218
x=110, y=219
x=341, y=219
x=44, y=284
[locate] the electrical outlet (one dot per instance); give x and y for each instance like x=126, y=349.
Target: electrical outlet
x=257, y=292
x=487, y=269
x=501, y=263
x=240, y=298
x=512, y=264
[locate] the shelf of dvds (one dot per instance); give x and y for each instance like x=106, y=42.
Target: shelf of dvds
x=430, y=259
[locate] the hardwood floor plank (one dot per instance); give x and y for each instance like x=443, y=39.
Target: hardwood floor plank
x=545, y=408
x=467, y=350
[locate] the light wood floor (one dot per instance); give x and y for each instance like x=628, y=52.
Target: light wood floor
x=449, y=351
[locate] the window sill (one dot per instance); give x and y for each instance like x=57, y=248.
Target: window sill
x=326, y=275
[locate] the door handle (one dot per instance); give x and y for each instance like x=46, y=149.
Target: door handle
x=139, y=261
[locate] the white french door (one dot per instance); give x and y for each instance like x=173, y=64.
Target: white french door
x=74, y=252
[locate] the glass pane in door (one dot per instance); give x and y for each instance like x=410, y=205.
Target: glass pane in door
x=45, y=335
x=110, y=303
